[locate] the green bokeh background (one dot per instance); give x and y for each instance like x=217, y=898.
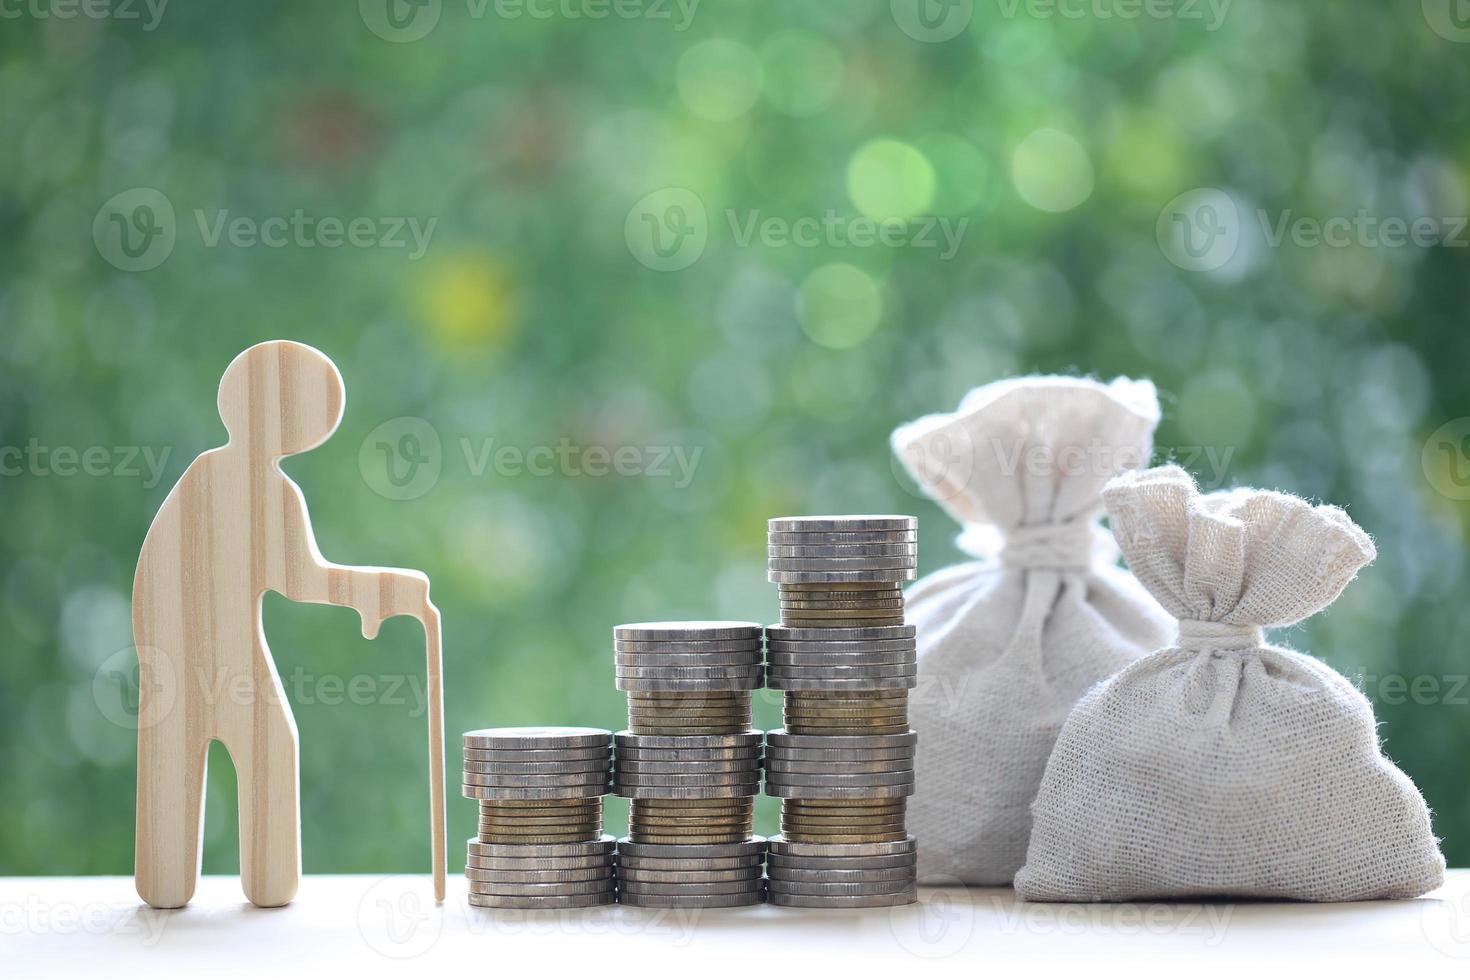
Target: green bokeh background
x=534, y=319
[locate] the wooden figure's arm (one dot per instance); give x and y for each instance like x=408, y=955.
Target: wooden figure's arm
x=376, y=593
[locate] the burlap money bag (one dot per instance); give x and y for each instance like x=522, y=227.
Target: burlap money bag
x=1221, y=765
x=1008, y=643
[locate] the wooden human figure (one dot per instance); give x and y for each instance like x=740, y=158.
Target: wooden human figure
x=234, y=527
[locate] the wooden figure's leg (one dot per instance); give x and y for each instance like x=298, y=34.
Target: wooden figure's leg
x=264, y=751
x=168, y=842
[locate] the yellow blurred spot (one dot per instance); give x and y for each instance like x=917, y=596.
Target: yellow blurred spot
x=1143, y=154
x=468, y=300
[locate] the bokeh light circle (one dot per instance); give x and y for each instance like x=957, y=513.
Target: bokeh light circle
x=887, y=179
x=839, y=306
x=1052, y=171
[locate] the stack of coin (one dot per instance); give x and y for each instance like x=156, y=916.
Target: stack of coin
x=705, y=876
x=842, y=875
x=692, y=808
x=688, y=678
x=540, y=843
x=845, y=660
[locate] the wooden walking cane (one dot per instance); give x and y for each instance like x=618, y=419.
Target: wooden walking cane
x=233, y=528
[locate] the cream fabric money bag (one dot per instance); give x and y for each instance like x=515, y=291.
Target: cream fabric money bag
x=1221, y=765
x=1009, y=643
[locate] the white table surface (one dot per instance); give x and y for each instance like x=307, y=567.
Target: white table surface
x=362, y=925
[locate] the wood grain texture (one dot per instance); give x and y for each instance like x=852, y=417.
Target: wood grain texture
x=234, y=527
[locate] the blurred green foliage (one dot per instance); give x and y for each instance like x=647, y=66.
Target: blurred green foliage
x=538, y=315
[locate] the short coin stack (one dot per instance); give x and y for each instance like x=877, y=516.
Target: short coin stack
x=540, y=843
x=845, y=660
x=689, y=763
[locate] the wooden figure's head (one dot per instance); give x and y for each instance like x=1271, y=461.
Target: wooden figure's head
x=280, y=398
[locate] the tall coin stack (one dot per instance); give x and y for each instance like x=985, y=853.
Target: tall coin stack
x=843, y=766
x=540, y=843
x=690, y=764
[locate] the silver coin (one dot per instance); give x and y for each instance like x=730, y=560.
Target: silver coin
x=637, y=779
x=791, y=791
x=744, y=862
x=748, y=682
x=880, y=886
x=796, y=648
x=871, y=563
x=471, y=792
x=693, y=877
x=779, y=738
x=844, y=522
x=879, y=863
x=598, y=862
x=745, y=848
x=550, y=876
x=840, y=537
x=832, y=685
x=538, y=768
x=587, y=778
x=869, y=550
x=630, y=887
x=837, y=876
x=542, y=901
x=741, y=766
x=845, y=672
x=887, y=576
x=796, y=634
x=535, y=738
x=674, y=673
x=885, y=778
x=690, y=755
x=733, y=791
x=688, y=630
x=817, y=768
x=740, y=740
x=705, y=647
x=781, y=662
x=523, y=890
x=785, y=848
x=741, y=658
x=604, y=845
x=839, y=756
x=538, y=755
x=639, y=900
x=842, y=901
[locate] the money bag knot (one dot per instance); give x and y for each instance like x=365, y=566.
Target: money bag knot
x=1203, y=634
x=1052, y=546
